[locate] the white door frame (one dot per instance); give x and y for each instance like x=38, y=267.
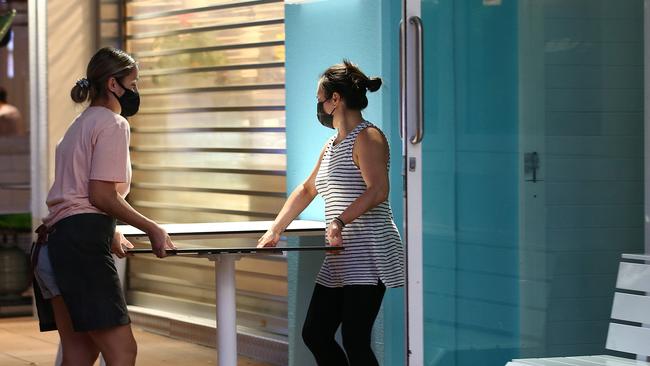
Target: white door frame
x=646, y=118
x=411, y=117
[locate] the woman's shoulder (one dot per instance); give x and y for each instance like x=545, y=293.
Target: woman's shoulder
x=370, y=132
x=104, y=118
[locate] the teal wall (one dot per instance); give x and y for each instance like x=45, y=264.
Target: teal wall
x=319, y=34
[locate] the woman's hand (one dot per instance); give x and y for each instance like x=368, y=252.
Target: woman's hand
x=160, y=241
x=269, y=239
x=333, y=235
x=120, y=245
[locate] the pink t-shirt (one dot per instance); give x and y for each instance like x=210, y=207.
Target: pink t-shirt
x=95, y=147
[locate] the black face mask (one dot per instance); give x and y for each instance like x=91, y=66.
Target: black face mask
x=129, y=101
x=325, y=119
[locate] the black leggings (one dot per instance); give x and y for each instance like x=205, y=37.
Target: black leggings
x=353, y=307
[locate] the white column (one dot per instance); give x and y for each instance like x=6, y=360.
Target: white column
x=226, y=309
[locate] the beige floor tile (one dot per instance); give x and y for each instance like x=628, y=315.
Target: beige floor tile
x=21, y=343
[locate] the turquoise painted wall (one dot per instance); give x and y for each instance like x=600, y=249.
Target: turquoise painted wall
x=319, y=34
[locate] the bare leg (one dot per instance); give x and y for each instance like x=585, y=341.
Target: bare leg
x=78, y=348
x=116, y=344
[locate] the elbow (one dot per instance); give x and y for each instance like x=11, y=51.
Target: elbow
x=98, y=200
x=308, y=190
x=95, y=200
x=379, y=194
x=382, y=196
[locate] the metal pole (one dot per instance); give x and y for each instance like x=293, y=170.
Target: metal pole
x=226, y=309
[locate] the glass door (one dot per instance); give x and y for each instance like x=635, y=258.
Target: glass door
x=523, y=155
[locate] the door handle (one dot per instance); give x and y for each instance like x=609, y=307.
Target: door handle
x=419, y=130
x=531, y=166
x=402, y=80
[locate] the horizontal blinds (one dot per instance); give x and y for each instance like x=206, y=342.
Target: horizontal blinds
x=208, y=143
x=211, y=123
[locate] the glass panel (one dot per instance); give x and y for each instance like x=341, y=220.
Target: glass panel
x=258, y=140
x=218, y=99
x=207, y=18
x=533, y=162
x=264, y=33
x=211, y=160
x=274, y=119
x=215, y=58
x=251, y=76
x=167, y=185
x=137, y=7
x=244, y=182
x=177, y=216
x=218, y=201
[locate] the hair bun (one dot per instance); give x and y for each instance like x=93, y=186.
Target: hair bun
x=373, y=84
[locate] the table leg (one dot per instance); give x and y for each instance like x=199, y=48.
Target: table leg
x=226, y=309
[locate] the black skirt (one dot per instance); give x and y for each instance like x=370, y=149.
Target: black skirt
x=80, y=253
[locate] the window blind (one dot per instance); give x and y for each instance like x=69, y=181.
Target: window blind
x=208, y=144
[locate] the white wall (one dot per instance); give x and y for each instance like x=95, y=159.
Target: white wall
x=62, y=40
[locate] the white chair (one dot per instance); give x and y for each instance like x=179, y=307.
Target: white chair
x=629, y=308
x=120, y=265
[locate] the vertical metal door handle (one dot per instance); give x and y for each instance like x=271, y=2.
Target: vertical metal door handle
x=402, y=79
x=419, y=131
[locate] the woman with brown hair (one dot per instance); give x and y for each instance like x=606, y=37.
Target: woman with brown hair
x=77, y=288
x=352, y=176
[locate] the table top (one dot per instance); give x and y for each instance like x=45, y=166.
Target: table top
x=237, y=250
x=220, y=230
x=229, y=229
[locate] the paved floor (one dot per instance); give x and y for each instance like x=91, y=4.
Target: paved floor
x=22, y=344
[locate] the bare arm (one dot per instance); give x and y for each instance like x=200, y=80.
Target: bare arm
x=370, y=153
x=104, y=196
x=299, y=199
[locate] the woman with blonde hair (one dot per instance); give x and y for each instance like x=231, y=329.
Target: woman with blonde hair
x=77, y=288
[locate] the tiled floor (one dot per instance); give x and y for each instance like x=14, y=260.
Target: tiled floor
x=22, y=344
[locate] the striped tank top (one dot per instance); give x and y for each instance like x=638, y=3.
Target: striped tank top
x=373, y=248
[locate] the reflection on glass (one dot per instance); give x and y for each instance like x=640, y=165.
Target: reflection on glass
x=209, y=100
x=250, y=76
x=237, y=36
x=257, y=140
x=204, y=160
x=271, y=184
x=140, y=7
x=266, y=119
x=207, y=18
x=214, y=58
x=259, y=206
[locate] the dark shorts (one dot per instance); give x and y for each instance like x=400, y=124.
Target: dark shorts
x=84, y=271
